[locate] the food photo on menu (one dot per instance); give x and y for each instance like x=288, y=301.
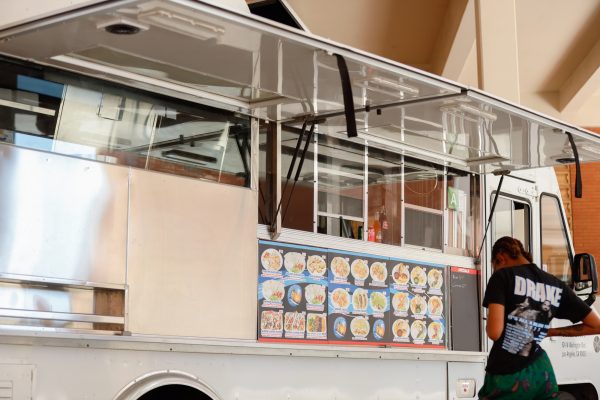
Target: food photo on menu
x=379, y=308
x=378, y=274
x=359, y=268
x=340, y=269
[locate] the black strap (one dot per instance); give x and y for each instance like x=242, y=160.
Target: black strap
x=578, y=183
x=296, y=150
x=348, y=98
x=298, y=171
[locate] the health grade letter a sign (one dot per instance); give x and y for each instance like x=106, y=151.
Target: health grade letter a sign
x=454, y=196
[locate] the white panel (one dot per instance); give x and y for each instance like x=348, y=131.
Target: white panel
x=192, y=254
x=101, y=374
x=16, y=381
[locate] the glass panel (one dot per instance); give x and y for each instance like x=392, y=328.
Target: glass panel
x=385, y=191
x=521, y=223
x=264, y=194
x=341, y=166
x=424, y=201
x=512, y=218
x=463, y=213
x=556, y=255
x=424, y=228
x=502, y=218
x=468, y=132
x=106, y=123
x=340, y=195
x=341, y=227
x=298, y=197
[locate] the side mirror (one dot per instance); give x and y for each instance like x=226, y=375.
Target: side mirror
x=585, y=274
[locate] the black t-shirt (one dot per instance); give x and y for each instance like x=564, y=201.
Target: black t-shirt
x=531, y=298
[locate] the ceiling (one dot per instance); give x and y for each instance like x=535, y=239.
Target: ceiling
x=555, y=45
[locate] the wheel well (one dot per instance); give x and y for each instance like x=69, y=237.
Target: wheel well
x=581, y=391
x=180, y=392
x=166, y=385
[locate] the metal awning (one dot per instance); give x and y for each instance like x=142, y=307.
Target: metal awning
x=210, y=55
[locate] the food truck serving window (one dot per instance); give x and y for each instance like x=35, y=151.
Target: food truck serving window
x=81, y=117
x=352, y=190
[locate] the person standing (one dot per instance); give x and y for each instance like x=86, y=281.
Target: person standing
x=522, y=300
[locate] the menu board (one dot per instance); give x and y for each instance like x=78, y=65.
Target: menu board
x=311, y=294
x=292, y=292
x=417, y=300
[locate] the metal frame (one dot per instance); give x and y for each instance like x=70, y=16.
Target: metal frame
x=421, y=254
x=18, y=278
x=60, y=316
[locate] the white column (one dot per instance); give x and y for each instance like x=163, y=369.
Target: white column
x=497, y=48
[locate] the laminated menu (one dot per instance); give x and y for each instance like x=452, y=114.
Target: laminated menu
x=310, y=294
x=292, y=292
x=417, y=304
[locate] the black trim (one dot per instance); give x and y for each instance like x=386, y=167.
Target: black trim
x=578, y=183
x=348, y=98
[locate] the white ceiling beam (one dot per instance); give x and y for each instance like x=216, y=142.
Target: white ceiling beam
x=583, y=83
x=455, y=39
x=497, y=48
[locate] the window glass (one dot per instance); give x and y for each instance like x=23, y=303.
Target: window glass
x=423, y=202
x=463, y=213
x=298, y=197
x=347, y=189
x=385, y=192
x=340, y=181
x=85, y=118
x=556, y=254
x=512, y=218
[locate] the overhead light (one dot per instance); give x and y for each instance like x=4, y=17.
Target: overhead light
x=183, y=24
x=565, y=160
x=121, y=26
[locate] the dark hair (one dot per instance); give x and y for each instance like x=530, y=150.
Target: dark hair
x=511, y=247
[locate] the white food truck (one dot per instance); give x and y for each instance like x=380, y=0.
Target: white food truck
x=199, y=203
